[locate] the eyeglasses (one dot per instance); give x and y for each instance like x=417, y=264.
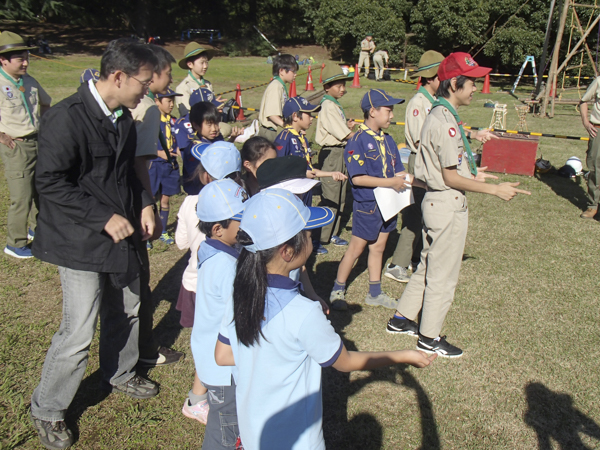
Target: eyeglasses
x=146, y=84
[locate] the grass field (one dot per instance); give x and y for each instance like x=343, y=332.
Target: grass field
x=526, y=312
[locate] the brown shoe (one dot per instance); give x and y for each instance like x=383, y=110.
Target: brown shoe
x=590, y=213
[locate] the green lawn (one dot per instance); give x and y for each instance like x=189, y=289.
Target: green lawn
x=526, y=312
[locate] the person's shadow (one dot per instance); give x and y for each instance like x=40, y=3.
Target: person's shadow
x=567, y=188
x=364, y=431
x=554, y=418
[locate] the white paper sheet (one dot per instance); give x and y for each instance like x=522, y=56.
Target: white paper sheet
x=391, y=202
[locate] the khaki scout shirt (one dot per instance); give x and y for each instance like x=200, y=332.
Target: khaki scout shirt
x=593, y=94
x=367, y=46
x=416, y=111
x=383, y=55
x=441, y=146
x=186, y=88
x=147, y=124
x=331, y=125
x=14, y=119
x=272, y=104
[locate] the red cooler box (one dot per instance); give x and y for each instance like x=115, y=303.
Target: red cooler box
x=512, y=153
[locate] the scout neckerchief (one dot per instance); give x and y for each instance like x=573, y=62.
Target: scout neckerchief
x=443, y=102
x=380, y=139
x=201, y=82
x=166, y=119
x=278, y=78
x=334, y=100
x=302, y=140
x=161, y=137
x=21, y=89
x=426, y=93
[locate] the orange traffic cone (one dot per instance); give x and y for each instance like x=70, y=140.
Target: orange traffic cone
x=356, y=80
x=309, y=82
x=321, y=76
x=419, y=83
x=293, y=89
x=238, y=100
x=486, y=85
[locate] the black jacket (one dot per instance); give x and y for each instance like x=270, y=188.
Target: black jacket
x=84, y=175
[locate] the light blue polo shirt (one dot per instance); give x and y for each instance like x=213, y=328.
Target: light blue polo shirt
x=216, y=272
x=278, y=381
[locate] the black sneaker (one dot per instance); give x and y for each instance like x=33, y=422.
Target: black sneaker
x=402, y=326
x=164, y=357
x=138, y=387
x=440, y=346
x=53, y=435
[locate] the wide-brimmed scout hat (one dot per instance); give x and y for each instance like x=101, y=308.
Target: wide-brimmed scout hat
x=194, y=49
x=428, y=64
x=333, y=72
x=460, y=63
x=12, y=42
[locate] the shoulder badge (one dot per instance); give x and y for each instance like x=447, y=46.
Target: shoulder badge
x=416, y=112
x=452, y=132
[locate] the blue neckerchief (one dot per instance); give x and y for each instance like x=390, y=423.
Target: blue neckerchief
x=281, y=291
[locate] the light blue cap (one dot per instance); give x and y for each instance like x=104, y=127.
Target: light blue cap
x=220, y=159
x=221, y=200
x=274, y=216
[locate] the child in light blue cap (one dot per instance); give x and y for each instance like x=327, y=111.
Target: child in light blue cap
x=220, y=206
x=219, y=160
x=278, y=339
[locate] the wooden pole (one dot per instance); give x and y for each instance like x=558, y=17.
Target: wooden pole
x=587, y=48
x=552, y=73
x=545, y=50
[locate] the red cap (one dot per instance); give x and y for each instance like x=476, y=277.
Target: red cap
x=460, y=63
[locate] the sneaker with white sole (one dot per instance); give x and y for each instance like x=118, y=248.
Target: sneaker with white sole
x=165, y=356
x=199, y=411
x=53, y=435
x=137, y=387
x=382, y=300
x=338, y=300
x=440, y=346
x=30, y=234
x=18, y=252
x=402, y=326
x=397, y=273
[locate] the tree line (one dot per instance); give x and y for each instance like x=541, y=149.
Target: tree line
x=502, y=32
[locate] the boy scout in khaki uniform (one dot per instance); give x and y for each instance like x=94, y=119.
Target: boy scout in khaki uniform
x=271, y=105
x=22, y=102
x=378, y=62
x=592, y=125
x=333, y=131
x=446, y=164
x=367, y=47
x=409, y=244
x=195, y=61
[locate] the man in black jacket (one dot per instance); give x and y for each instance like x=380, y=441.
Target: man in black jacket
x=94, y=216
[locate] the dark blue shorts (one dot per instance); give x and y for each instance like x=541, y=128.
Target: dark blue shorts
x=164, y=177
x=367, y=222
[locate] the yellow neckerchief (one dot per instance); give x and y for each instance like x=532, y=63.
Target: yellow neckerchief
x=380, y=139
x=166, y=118
x=304, y=143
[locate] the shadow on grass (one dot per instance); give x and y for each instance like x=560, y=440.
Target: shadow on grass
x=566, y=188
x=364, y=431
x=554, y=418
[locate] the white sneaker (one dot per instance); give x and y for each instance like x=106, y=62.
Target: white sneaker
x=250, y=131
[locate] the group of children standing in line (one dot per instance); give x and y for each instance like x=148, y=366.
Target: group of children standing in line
x=250, y=226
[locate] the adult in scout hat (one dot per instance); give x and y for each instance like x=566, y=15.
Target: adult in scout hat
x=367, y=47
x=22, y=102
x=333, y=131
x=195, y=61
x=410, y=244
x=446, y=164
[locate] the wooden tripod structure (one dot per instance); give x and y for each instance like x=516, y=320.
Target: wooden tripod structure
x=555, y=69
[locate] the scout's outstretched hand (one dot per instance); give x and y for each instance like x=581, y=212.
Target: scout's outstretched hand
x=482, y=175
x=419, y=359
x=483, y=135
x=506, y=191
